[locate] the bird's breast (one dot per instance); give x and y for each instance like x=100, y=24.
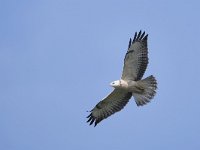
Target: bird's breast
x=123, y=84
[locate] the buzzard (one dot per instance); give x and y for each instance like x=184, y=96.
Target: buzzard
x=130, y=84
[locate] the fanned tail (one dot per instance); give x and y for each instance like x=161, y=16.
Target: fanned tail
x=149, y=86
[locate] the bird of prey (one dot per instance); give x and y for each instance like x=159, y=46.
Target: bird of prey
x=130, y=84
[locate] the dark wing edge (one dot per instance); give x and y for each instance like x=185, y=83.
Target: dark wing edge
x=107, y=107
x=142, y=38
x=137, y=38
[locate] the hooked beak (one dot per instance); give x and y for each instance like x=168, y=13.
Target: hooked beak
x=111, y=84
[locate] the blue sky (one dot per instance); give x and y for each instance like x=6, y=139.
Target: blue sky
x=57, y=58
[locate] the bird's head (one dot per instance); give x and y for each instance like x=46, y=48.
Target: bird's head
x=116, y=83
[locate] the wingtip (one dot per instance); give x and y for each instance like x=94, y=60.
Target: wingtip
x=95, y=124
x=134, y=37
x=139, y=36
x=129, y=44
x=92, y=120
x=146, y=37
x=142, y=35
x=139, y=33
x=90, y=115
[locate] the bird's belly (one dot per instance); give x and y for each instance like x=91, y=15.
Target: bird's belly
x=134, y=87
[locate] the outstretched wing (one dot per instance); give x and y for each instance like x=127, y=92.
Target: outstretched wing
x=136, y=58
x=113, y=103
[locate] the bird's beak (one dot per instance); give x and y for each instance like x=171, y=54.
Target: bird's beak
x=111, y=84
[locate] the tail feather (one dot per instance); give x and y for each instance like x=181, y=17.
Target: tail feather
x=149, y=86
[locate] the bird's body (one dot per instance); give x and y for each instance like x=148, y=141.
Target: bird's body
x=130, y=84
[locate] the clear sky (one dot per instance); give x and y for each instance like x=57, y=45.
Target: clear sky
x=57, y=58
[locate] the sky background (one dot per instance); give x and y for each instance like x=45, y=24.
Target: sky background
x=57, y=58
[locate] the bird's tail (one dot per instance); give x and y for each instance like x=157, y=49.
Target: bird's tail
x=148, y=86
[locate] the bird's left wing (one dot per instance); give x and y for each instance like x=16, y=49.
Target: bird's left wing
x=136, y=59
x=113, y=103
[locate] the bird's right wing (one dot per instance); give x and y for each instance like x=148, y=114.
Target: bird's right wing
x=114, y=102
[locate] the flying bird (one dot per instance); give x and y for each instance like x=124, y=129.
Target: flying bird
x=130, y=84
